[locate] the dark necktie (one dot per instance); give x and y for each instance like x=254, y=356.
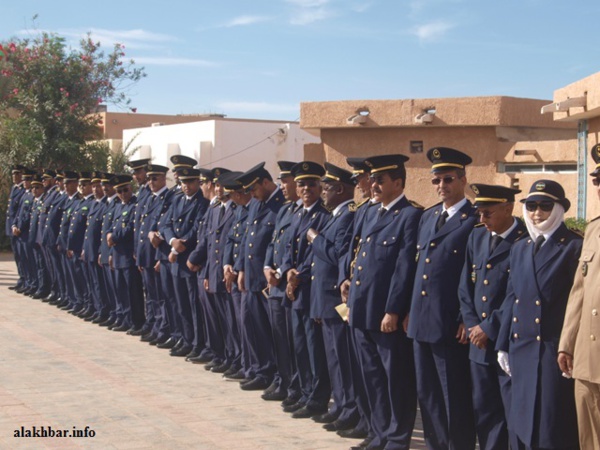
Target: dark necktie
x=538, y=243
x=381, y=212
x=496, y=239
x=221, y=212
x=441, y=221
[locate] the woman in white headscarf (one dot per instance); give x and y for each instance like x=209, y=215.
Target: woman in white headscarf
x=542, y=269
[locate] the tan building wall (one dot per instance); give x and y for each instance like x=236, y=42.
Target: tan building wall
x=492, y=130
x=585, y=93
x=113, y=123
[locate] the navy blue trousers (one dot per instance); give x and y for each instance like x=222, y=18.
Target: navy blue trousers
x=444, y=389
x=388, y=371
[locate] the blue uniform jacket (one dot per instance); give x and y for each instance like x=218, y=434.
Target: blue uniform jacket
x=183, y=223
x=107, y=221
x=14, y=203
x=258, y=234
x=328, y=247
x=65, y=221
x=482, y=286
x=435, y=308
x=93, y=230
x=199, y=254
x=143, y=195
x=122, y=235
x=345, y=265
x=298, y=254
x=53, y=219
x=384, y=267
x=279, y=243
x=78, y=225
x=153, y=209
x=34, y=224
x=236, y=235
x=48, y=199
x=215, y=239
x=23, y=219
x=532, y=319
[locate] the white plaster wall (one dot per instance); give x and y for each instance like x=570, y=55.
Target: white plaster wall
x=233, y=144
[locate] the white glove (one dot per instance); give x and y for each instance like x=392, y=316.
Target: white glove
x=503, y=361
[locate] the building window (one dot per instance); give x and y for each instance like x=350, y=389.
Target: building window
x=416, y=146
x=537, y=168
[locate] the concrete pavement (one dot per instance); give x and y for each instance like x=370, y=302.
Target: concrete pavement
x=61, y=372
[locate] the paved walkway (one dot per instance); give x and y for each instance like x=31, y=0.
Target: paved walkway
x=61, y=372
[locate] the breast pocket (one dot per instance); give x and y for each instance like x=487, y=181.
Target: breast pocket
x=585, y=260
x=385, y=247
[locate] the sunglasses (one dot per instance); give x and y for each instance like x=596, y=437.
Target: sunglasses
x=596, y=181
x=486, y=214
x=308, y=183
x=122, y=191
x=377, y=179
x=545, y=206
x=447, y=180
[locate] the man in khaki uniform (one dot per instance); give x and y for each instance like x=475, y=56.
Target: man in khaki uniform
x=579, y=348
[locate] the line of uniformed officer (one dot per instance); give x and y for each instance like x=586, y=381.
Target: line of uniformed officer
x=293, y=289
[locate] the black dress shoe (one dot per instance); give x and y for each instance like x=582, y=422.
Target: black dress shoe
x=364, y=444
x=109, y=322
x=75, y=310
x=55, y=301
x=39, y=295
x=51, y=296
x=235, y=376
x=21, y=289
x=353, y=433
x=199, y=359
x=289, y=401
x=272, y=387
x=148, y=337
x=258, y=384
x=133, y=331
x=161, y=340
x=325, y=418
x=14, y=288
x=63, y=304
x=91, y=317
x=99, y=319
x=87, y=314
x=307, y=411
x=343, y=424
x=213, y=363
x=276, y=395
x=192, y=354
x=295, y=407
x=169, y=343
x=120, y=328
x=221, y=368
x=231, y=370
x=181, y=351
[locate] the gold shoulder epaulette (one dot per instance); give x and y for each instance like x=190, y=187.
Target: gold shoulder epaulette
x=479, y=224
x=433, y=206
x=577, y=232
x=416, y=205
x=352, y=207
x=363, y=202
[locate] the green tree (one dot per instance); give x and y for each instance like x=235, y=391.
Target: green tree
x=49, y=94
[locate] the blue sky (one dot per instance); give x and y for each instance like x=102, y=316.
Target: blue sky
x=260, y=59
